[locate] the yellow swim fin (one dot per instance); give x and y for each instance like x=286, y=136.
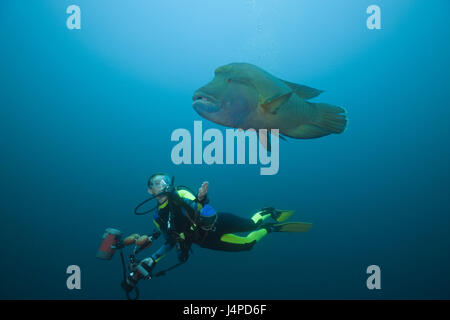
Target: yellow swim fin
x=282, y=215
x=276, y=214
x=289, y=227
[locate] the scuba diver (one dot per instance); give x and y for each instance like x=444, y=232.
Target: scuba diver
x=183, y=219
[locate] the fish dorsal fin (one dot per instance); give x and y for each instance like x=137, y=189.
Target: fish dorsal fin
x=273, y=104
x=302, y=91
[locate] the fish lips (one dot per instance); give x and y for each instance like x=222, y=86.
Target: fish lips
x=203, y=103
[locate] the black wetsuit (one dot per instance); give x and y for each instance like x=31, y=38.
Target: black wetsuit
x=184, y=231
x=222, y=237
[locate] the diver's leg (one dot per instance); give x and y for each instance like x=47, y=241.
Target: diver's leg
x=261, y=216
x=222, y=237
x=230, y=223
x=232, y=242
x=269, y=212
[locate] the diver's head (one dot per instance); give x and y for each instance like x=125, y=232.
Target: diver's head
x=158, y=183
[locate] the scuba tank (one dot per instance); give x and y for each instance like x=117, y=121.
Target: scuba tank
x=109, y=244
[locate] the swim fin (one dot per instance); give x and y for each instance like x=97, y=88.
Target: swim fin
x=282, y=215
x=276, y=214
x=288, y=227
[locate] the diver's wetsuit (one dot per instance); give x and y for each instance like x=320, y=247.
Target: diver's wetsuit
x=222, y=236
x=178, y=229
x=172, y=221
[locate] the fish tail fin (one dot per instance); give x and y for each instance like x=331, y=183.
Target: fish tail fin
x=330, y=119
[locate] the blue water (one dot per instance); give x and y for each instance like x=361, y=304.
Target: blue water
x=86, y=116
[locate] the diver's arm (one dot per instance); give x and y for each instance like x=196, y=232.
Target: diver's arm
x=164, y=249
x=197, y=202
x=204, y=201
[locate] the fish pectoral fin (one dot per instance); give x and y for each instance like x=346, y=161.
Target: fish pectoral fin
x=264, y=139
x=273, y=104
x=280, y=136
x=302, y=91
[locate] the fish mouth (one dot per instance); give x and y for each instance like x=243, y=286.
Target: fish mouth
x=205, y=103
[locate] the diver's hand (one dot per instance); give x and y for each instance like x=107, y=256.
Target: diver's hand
x=203, y=190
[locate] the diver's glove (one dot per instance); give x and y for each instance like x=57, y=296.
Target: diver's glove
x=202, y=193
